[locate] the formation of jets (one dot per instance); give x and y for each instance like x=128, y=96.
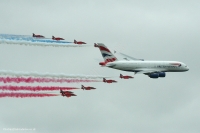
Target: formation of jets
x=69, y=93
x=154, y=69
x=58, y=39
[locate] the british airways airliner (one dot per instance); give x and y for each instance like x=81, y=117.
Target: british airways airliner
x=154, y=69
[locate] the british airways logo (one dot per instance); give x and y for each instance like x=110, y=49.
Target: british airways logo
x=160, y=66
x=104, y=55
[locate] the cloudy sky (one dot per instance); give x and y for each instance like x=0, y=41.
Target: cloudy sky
x=152, y=30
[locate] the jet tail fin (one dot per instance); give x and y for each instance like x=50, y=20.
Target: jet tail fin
x=106, y=54
x=82, y=87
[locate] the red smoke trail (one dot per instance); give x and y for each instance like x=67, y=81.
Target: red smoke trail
x=34, y=88
x=42, y=80
x=23, y=95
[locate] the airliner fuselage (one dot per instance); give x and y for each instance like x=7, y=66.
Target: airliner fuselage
x=136, y=66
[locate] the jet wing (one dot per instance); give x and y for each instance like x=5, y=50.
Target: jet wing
x=132, y=58
x=148, y=71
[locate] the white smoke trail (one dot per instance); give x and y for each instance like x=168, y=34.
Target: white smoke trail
x=52, y=75
x=44, y=44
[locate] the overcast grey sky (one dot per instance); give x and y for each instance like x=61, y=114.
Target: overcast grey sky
x=153, y=30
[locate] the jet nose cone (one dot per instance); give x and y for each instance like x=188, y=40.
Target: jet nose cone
x=187, y=68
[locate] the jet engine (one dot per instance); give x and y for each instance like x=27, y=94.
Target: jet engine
x=154, y=75
x=162, y=74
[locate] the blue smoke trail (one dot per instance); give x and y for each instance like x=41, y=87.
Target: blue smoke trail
x=10, y=37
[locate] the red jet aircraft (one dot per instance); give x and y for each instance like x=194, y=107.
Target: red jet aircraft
x=57, y=38
x=67, y=93
x=96, y=45
x=79, y=42
x=87, y=88
x=40, y=36
x=125, y=77
x=108, y=81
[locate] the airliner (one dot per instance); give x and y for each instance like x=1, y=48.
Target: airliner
x=154, y=69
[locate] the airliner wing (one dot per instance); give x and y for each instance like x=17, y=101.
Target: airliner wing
x=148, y=71
x=132, y=58
x=145, y=71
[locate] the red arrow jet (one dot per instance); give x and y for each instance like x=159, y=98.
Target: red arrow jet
x=57, y=38
x=79, y=42
x=87, y=88
x=39, y=36
x=125, y=77
x=96, y=45
x=108, y=81
x=67, y=93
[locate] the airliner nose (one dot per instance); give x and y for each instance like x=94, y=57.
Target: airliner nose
x=187, y=68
